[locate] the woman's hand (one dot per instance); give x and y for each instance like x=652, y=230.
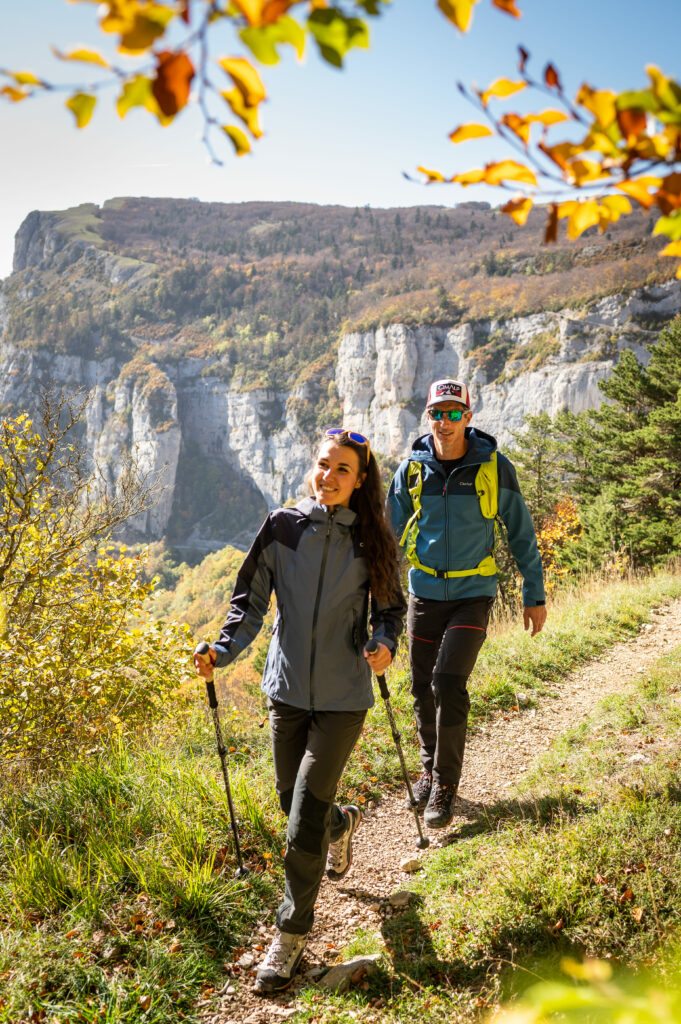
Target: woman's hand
x=380, y=659
x=204, y=663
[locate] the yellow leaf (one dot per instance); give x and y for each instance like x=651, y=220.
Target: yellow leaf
x=673, y=249
x=25, y=78
x=467, y=178
x=251, y=10
x=249, y=115
x=246, y=79
x=431, y=175
x=82, y=107
x=137, y=92
x=508, y=170
x=584, y=216
x=84, y=56
x=469, y=131
x=578, y=172
x=561, y=153
x=238, y=139
x=617, y=205
x=518, y=209
x=459, y=12
x=548, y=117
x=501, y=88
x=599, y=102
x=638, y=189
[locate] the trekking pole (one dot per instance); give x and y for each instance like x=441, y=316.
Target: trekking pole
x=423, y=841
x=202, y=651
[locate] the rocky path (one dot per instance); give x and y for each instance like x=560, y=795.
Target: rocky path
x=496, y=758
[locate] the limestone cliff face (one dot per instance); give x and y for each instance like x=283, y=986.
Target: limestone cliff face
x=219, y=448
x=382, y=376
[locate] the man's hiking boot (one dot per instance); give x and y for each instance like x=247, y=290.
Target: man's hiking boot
x=421, y=790
x=277, y=969
x=440, y=807
x=339, y=857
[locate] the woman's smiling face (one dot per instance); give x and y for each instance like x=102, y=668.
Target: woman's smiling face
x=336, y=474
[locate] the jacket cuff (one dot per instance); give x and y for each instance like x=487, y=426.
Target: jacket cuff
x=222, y=655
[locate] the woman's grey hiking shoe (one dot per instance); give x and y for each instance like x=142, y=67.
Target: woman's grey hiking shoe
x=440, y=807
x=277, y=969
x=421, y=790
x=339, y=857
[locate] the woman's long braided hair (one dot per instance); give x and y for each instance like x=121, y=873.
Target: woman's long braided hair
x=378, y=539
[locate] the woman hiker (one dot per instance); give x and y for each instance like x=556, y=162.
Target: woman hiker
x=332, y=563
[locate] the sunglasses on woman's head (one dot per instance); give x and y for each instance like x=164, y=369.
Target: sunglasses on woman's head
x=451, y=414
x=353, y=435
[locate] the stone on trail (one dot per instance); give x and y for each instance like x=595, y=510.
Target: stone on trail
x=339, y=978
x=410, y=865
x=400, y=899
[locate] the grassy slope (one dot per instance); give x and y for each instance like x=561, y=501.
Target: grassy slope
x=116, y=881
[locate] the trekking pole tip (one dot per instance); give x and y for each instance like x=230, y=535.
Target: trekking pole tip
x=423, y=843
x=241, y=871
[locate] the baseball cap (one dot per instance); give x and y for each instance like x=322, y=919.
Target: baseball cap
x=448, y=390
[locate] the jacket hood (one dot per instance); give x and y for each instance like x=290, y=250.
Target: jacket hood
x=480, y=447
x=320, y=513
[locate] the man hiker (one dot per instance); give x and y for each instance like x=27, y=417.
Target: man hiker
x=444, y=502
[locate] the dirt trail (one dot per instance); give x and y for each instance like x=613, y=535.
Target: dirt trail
x=496, y=758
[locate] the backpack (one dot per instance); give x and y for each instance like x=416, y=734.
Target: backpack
x=487, y=487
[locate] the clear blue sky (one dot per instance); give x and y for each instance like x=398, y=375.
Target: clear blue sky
x=331, y=136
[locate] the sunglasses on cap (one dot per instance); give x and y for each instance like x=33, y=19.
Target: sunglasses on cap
x=454, y=415
x=353, y=435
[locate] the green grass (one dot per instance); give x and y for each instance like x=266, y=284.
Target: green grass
x=118, y=900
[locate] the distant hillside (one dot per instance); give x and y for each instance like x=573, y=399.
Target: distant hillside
x=267, y=288
x=215, y=341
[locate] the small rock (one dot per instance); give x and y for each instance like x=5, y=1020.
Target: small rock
x=399, y=899
x=338, y=978
x=636, y=758
x=246, y=960
x=410, y=865
x=522, y=698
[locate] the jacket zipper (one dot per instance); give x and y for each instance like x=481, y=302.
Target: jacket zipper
x=315, y=614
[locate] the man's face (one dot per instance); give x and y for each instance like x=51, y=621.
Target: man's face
x=448, y=435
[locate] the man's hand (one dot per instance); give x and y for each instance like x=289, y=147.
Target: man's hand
x=536, y=616
x=380, y=659
x=204, y=662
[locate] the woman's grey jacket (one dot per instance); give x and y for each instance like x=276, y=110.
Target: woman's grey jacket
x=313, y=560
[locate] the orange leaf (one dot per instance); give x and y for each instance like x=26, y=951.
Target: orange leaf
x=174, y=73
x=251, y=10
x=15, y=95
x=508, y=6
x=469, y=131
x=501, y=88
x=560, y=153
x=459, y=12
x=184, y=11
x=632, y=123
x=668, y=196
x=638, y=189
x=551, y=78
x=637, y=914
x=518, y=209
x=551, y=231
x=524, y=57
x=520, y=126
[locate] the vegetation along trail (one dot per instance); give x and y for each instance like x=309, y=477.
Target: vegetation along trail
x=497, y=757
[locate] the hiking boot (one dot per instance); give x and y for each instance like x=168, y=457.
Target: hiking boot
x=421, y=790
x=277, y=969
x=440, y=807
x=339, y=857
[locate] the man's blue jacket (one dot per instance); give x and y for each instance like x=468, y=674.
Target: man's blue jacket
x=452, y=531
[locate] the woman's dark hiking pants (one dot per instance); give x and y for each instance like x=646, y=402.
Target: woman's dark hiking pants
x=445, y=638
x=310, y=751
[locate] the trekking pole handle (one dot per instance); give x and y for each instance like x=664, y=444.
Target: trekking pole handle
x=202, y=651
x=371, y=646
